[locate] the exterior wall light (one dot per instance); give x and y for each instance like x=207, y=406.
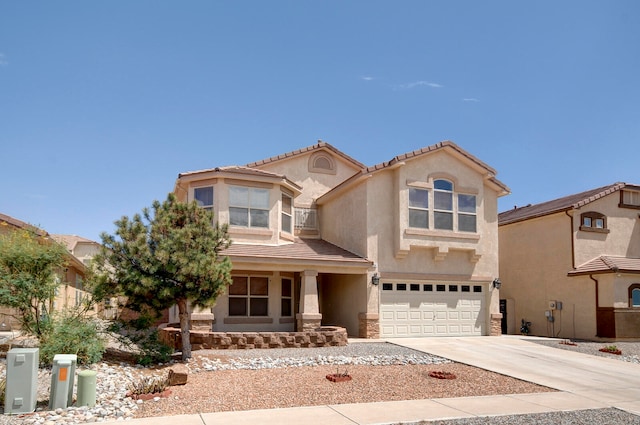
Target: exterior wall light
x=496, y=283
x=375, y=279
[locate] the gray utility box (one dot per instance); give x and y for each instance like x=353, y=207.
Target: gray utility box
x=63, y=376
x=22, y=380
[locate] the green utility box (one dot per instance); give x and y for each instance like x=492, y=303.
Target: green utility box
x=22, y=380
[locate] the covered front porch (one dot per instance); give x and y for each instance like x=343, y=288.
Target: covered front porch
x=297, y=287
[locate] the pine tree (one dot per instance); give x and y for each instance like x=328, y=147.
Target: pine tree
x=170, y=257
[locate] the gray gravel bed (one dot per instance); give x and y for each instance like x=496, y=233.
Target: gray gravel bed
x=578, y=417
x=630, y=350
x=374, y=354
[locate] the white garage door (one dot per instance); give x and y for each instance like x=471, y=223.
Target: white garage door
x=431, y=309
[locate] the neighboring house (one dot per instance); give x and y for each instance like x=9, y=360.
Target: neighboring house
x=70, y=290
x=407, y=247
x=84, y=250
x=571, y=266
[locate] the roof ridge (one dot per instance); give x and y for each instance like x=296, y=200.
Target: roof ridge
x=576, y=200
x=320, y=145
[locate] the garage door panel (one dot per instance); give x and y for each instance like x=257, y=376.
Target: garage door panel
x=419, y=313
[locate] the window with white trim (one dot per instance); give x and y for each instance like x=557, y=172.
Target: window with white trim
x=443, y=205
x=248, y=206
x=418, y=208
x=249, y=296
x=287, y=213
x=467, y=213
x=204, y=197
x=447, y=210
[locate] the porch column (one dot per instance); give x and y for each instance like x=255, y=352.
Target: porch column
x=309, y=316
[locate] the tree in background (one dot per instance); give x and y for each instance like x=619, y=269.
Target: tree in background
x=29, y=266
x=170, y=257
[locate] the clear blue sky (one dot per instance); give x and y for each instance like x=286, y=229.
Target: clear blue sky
x=102, y=104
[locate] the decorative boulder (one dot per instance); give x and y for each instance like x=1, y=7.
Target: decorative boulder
x=178, y=375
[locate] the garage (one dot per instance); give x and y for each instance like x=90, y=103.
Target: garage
x=431, y=309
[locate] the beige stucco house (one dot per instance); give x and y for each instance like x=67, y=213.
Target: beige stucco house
x=571, y=266
x=70, y=290
x=407, y=247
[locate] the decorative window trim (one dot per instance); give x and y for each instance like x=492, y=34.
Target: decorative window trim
x=322, y=162
x=588, y=219
x=635, y=286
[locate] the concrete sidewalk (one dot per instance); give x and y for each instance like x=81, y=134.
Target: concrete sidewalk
x=584, y=382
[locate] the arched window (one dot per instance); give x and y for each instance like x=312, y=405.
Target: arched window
x=634, y=295
x=322, y=162
x=593, y=222
x=442, y=208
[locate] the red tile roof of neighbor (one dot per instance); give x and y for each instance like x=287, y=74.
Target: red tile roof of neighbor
x=70, y=241
x=557, y=205
x=304, y=250
x=8, y=220
x=608, y=264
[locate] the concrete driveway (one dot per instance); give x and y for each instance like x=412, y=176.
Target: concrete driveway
x=613, y=383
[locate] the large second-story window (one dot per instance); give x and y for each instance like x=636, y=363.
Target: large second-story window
x=248, y=206
x=204, y=197
x=447, y=210
x=443, y=205
x=418, y=208
x=287, y=213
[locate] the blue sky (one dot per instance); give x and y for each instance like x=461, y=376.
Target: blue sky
x=102, y=104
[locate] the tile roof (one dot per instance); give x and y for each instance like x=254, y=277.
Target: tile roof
x=437, y=146
x=447, y=144
x=608, y=264
x=557, y=205
x=70, y=241
x=233, y=169
x=302, y=250
x=317, y=146
x=8, y=220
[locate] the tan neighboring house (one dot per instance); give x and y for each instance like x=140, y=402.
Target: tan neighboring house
x=70, y=290
x=405, y=248
x=571, y=266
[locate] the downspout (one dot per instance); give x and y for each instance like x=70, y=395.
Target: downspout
x=573, y=247
x=597, y=300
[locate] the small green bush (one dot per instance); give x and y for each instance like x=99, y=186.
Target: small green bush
x=73, y=334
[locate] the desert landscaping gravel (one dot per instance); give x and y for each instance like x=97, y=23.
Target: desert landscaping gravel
x=256, y=379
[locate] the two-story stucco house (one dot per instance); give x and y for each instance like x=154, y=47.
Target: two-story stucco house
x=407, y=247
x=571, y=266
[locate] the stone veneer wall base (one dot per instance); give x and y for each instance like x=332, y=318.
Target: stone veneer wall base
x=496, y=324
x=201, y=340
